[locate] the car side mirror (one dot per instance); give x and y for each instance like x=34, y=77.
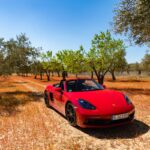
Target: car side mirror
x=104, y=86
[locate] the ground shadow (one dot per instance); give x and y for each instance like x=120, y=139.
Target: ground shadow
x=126, y=80
x=132, y=130
x=7, y=86
x=19, y=82
x=51, y=81
x=10, y=101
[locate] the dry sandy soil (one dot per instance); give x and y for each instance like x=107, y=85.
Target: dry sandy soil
x=26, y=124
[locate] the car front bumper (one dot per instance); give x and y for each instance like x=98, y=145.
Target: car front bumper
x=86, y=121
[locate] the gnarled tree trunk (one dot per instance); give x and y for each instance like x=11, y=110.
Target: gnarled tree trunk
x=76, y=75
x=92, y=74
x=35, y=76
x=41, y=75
x=100, y=77
x=48, y=75
x=58, y=73
x=113, y=75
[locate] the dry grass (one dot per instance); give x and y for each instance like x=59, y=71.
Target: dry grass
x=26, y=124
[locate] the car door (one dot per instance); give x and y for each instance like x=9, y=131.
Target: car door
x=58, y=98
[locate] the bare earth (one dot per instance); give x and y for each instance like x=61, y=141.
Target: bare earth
x=26, y=124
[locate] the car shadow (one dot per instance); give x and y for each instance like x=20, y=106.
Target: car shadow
x=132, y=130
x=128, y=131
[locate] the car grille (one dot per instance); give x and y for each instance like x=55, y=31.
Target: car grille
x=102, y=122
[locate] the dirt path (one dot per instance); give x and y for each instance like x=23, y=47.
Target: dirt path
x=37, y=127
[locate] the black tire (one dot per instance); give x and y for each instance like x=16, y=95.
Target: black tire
x=46, y=99
x=71, y=114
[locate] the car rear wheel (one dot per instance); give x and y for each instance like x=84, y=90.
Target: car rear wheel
x=71, y=114
x=46, y=99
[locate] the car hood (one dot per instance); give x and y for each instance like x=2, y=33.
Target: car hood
x=106, y=101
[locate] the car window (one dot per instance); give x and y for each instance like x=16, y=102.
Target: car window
x=83, y=85
x=71, y=86
x=56, y=85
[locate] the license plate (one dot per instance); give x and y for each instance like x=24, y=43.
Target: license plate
x=121, y=116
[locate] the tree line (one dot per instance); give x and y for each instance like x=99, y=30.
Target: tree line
x=106, y=55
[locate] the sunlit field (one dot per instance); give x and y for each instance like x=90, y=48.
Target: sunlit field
x=44, y=42
x=27, y=124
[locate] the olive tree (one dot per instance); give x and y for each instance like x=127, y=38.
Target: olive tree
x=132, y=17
x=146, y=62
x=74, y=60
x=104, y=54
x=46, y=63
x=19, y=54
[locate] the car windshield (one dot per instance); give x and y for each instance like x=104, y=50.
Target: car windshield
x=83, y=85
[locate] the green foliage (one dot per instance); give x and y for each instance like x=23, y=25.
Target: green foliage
x=18, y=55
x=105, y=55
x=134, y=67
x=60, y=56
x=73, y=60
x=56, y=65
x=146, y=62
x=46, y=63
x=46, y=60
x=1, y=57
x=37, y=68
x=4, y=66
x=132, y=17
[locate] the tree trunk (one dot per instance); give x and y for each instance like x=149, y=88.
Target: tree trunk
x=64, y=75
x=139, y=72
x=41, y=75
x=113, y=75
x=128, y=72
x=58, y=73
x=48, y=75
x=92, y=75
x=121, y=72
x=52, y=73
x=35, y=76
x=76, y=75
x=100, y=78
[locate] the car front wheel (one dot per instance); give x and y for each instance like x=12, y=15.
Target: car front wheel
x=71, y=114
x=46, y=99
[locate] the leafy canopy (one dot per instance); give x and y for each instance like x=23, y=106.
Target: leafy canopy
x=132, y=17
x=105, y=54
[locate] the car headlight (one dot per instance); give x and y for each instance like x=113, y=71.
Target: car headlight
x=86, y=105
x=127, y=99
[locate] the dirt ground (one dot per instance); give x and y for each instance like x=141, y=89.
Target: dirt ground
x=26, y=124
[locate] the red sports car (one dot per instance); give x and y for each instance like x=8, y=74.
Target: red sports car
x=86, y=103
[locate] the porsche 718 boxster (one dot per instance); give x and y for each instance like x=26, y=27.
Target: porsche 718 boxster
x=86, y=103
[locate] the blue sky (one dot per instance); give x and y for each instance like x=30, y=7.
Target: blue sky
x=61, y=24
